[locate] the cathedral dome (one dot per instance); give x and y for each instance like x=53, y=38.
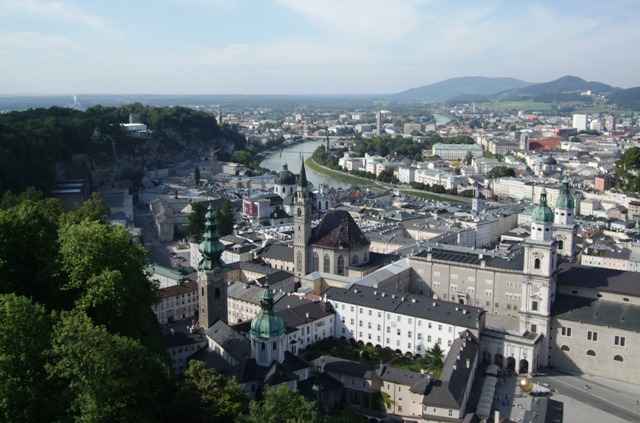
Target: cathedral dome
x=266, y=324
x=285, y=177
x=542, y=213
x=565, y=199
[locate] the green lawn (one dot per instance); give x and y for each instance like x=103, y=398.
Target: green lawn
x=370, y=355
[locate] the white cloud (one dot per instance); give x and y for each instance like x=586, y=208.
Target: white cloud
x=370, y=19
x=53, y=9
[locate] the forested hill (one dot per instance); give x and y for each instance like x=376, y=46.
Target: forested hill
x=33, y=141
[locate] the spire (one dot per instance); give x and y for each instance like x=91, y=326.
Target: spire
x=210, y=247
x=303, y=175
x=266, y=303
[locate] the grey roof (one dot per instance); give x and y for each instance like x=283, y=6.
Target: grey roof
x=337, y=229
x=513, y=262
x=177, y=334
x=419, y=306
x=450, y=391
x=597, y=312
x=331, y=364
x=278, y=252
x=605, y=280
x=417, y=382
x=250, y=293
x=297, y=316
x=231, y=341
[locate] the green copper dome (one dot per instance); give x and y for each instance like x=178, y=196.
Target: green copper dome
x=565, y=199
x=210, y=247
x=542, y=213
x=267, y=324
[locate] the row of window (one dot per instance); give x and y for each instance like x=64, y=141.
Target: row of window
x=379, y=327
x=592, y=353
x=593, y=336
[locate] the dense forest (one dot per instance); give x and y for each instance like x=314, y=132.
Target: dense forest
x=33, y=141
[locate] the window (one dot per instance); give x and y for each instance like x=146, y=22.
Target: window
x=450, y=413
x=354, y=260
x=592, y=336
x=316, y=262
x=566, y=331
x=591, y=353
x=534, y=305
x=216, y=293
x=299, y=261
x=536, y=263
x=398, y=332
x=409, y=334
x=340, y=265
x=618, y=358
x=564, y=348
x=326, y=264
x=561, y=245
x=275, y=346
x=534, y=328
x=619, y=340
x=420, y=336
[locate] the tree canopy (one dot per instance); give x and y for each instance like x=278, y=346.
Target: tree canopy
x=628, y=170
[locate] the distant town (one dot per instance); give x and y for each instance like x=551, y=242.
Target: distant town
x=428, y=262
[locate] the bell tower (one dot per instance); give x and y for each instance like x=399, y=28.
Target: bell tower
x=539, y=285
x=212, y=288
x=301, y=225
x=564, y=228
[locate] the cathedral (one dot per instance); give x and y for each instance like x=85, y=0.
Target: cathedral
x=333, y=247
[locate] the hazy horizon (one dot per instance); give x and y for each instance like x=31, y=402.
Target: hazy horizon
x=306, y=47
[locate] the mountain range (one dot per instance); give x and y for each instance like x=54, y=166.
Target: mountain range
x=478, y=89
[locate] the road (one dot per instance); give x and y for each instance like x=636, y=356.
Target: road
x=599, y=396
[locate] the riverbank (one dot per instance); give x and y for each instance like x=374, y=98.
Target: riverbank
x=359, y=180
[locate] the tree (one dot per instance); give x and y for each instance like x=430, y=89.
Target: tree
x=501, y=172
x=280, y=405
x=195, y=221
x=106, y=278
x=196, y=175
x=207, y=396
x=628, y=170
x=28, y=250
x=108, y=378
x=224, y=219
x=25, y=336
x=93, y=209
x=468, y=158
x=435, y=360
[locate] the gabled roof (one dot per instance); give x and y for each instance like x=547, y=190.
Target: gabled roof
x=231, y=341
x=449, y=392
x=278, y=252
x=338, y=230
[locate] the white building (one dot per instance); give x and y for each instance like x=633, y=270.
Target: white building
x=456, y=151
x=580, y=121
x=404, y=322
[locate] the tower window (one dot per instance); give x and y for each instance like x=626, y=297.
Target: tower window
x=618, y=358
x=340, y=270
x=561, y=245
x=536, y=263
x=299, y=214
x=534, y=306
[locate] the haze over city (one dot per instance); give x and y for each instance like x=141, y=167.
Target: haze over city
x=306, y=46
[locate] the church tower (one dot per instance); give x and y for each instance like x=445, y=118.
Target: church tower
x=538, y=286
x=564, y=228
x=476, y=205
x=302, y=226
x=212, y=288
x=267, y=334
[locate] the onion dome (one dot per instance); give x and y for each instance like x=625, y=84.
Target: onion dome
x=210, y=247
x=565, y=199
x=542, y=213
x=266, y=324
x=285, y=177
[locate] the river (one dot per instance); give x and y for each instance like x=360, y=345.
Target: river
x=292, y=157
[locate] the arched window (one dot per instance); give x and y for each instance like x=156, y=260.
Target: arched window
x=561, y=245
x=591, y=353
x=326, y=264
x=340, y=265
x=316, y=262
x=536, y=263
x=299, y=261
x=564, y=348
x=618, y=358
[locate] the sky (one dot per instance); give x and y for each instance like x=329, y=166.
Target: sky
x=307, y=46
